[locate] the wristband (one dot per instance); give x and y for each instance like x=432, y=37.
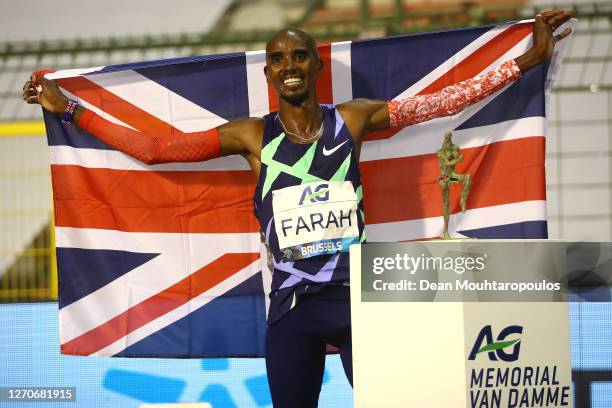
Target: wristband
x=68, y=115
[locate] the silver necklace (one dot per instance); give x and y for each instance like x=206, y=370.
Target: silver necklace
x=302, y=138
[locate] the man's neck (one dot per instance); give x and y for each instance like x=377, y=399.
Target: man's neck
x=303, y=119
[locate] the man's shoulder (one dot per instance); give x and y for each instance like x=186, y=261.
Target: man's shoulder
x=245, y=128
x=249, y=122
x=354, y=105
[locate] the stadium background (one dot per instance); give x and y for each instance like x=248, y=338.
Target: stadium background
x=38, y=34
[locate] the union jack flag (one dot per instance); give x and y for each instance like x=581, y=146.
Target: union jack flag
x=166, y=260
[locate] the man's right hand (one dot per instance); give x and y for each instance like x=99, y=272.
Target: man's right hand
x=46, y=93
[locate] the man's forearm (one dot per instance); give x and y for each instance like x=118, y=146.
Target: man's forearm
x=453, y=98
x=151, y=149
x=529, y=60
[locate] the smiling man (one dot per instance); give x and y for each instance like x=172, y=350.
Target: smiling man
x=308, y=198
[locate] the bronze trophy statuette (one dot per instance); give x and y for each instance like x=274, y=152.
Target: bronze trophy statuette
x=448, y=157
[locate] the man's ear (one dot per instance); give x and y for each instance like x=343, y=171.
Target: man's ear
x=266, y=74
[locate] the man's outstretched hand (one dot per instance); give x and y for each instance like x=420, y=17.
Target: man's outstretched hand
x=545, y=24
x=44, y=92
x=543, y=38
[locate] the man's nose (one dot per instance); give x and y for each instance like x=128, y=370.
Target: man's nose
x=290, y=62
x=289, y=66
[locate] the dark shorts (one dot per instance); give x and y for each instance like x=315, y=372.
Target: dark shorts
x=296, y=346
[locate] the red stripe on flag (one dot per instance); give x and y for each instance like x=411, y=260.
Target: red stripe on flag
x=149, y=201
x=116, y=106
x=407, y=188
x=470, y=66
x=324, y=81
x=482, y=57
x=159, y=304
x=273, y=99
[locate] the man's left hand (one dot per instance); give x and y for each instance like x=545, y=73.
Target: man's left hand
x=546, y=23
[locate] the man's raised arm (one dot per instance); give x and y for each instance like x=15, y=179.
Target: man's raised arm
x=230, y=138
x=364, y=115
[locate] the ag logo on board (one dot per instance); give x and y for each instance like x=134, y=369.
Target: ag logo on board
x=320, y=193
x=503, y=349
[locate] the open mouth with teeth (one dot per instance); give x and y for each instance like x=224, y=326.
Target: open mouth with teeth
x=292, y=81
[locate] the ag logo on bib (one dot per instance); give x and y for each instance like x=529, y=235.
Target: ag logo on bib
x=320, y=194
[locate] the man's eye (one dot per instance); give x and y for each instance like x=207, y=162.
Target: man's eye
x=300, y=57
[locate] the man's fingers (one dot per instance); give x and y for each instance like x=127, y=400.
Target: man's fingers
x=560, y=18
x=33, y=88
x=555, y=18
x=30, y=89
x=30, y=92
x=37, y=82
x=564, y=34
x=546, y=15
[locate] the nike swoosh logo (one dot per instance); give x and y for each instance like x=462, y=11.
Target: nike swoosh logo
x=330, y=152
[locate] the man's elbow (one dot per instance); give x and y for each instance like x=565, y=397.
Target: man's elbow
x=153, y=153
x=148, y=158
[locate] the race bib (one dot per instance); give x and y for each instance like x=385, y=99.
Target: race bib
x=315, y=219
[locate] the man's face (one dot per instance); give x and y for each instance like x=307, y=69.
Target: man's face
x=291, y=67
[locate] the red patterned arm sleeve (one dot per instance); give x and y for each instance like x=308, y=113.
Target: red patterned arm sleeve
x=453, y=98
x=153, y=149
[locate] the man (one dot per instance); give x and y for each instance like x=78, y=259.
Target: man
x=308, y=197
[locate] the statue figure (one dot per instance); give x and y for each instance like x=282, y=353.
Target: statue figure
x=448, y=157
